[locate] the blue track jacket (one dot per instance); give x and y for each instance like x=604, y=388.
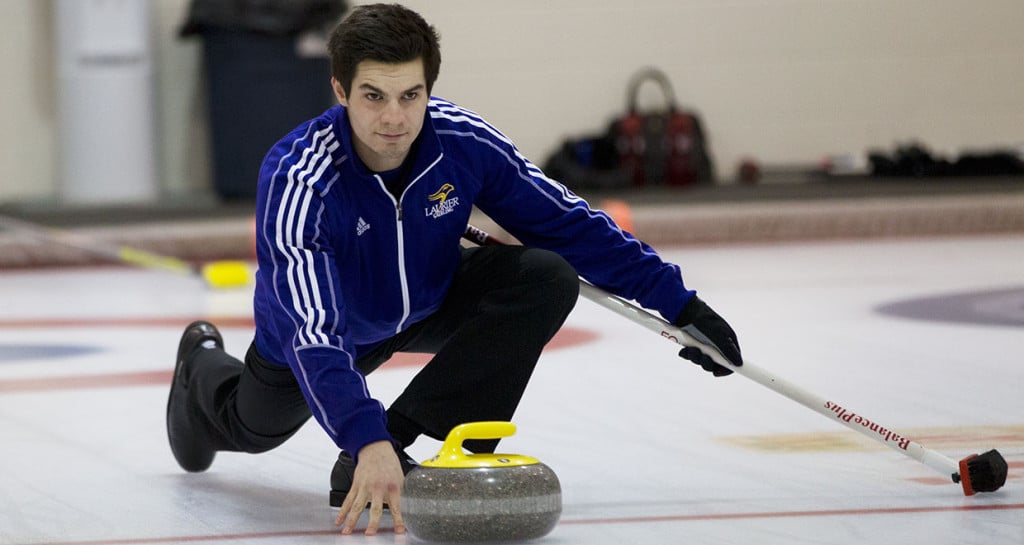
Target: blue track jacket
x=343, y=265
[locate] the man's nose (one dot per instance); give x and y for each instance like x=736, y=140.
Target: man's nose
x=392, y=113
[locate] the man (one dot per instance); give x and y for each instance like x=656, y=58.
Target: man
x=359, y=216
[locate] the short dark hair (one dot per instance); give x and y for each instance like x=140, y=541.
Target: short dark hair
x=388, y=33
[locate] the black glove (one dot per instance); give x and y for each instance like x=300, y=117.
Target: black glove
x=705, y=325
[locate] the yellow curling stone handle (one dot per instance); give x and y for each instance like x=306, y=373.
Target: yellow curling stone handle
x=452, y=455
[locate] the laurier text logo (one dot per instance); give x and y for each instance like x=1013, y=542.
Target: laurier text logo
x=444, y=204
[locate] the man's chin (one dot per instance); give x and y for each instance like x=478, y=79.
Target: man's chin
x=394, y=151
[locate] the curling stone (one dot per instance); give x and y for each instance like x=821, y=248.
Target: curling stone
x=460, y=497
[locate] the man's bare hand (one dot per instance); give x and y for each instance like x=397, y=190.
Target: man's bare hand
x=377, y=481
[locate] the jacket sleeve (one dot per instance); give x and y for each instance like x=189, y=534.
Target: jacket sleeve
x=543, y=213
x=300, y=293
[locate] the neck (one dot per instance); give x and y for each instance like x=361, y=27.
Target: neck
x=375, y=162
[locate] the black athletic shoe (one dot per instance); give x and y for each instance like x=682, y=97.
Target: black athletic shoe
x=188, y=443
x=345, y=468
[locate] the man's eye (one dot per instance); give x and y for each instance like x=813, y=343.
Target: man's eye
x=373, y=96
x=411, y=95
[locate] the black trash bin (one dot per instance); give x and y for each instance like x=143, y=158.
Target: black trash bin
x=259, y=84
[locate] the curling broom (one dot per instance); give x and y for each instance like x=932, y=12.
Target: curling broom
x=216, y=274
x=975, y=473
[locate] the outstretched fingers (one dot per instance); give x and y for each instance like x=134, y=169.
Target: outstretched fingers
x=395, y=506
x=391, y=496
x=356, y=501
x=376, y=512
x=349, y=514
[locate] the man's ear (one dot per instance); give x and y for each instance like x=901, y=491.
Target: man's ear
x=339, y=92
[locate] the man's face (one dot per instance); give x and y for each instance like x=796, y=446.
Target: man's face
x=385, y=108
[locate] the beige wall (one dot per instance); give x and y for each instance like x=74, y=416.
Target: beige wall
x=27, y=101
x=781, y=80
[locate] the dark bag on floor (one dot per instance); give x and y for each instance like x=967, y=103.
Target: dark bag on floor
x=665, y=147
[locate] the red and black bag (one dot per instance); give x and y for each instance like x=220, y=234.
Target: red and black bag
x=664, y=147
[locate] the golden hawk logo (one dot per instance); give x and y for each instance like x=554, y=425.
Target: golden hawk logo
x=442, y=194
x=444, y=204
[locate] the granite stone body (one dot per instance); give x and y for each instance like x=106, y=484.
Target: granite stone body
x=481, y=504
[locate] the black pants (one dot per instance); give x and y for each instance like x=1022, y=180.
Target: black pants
x=503, y=307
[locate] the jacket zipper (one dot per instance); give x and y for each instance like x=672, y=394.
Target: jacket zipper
x=406, y=305
x=406, y=302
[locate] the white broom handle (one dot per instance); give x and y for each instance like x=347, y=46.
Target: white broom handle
x=838, y=412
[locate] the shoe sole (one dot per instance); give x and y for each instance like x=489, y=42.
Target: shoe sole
x=338, y=497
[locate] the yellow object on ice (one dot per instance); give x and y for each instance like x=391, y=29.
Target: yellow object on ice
x=227, y=274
